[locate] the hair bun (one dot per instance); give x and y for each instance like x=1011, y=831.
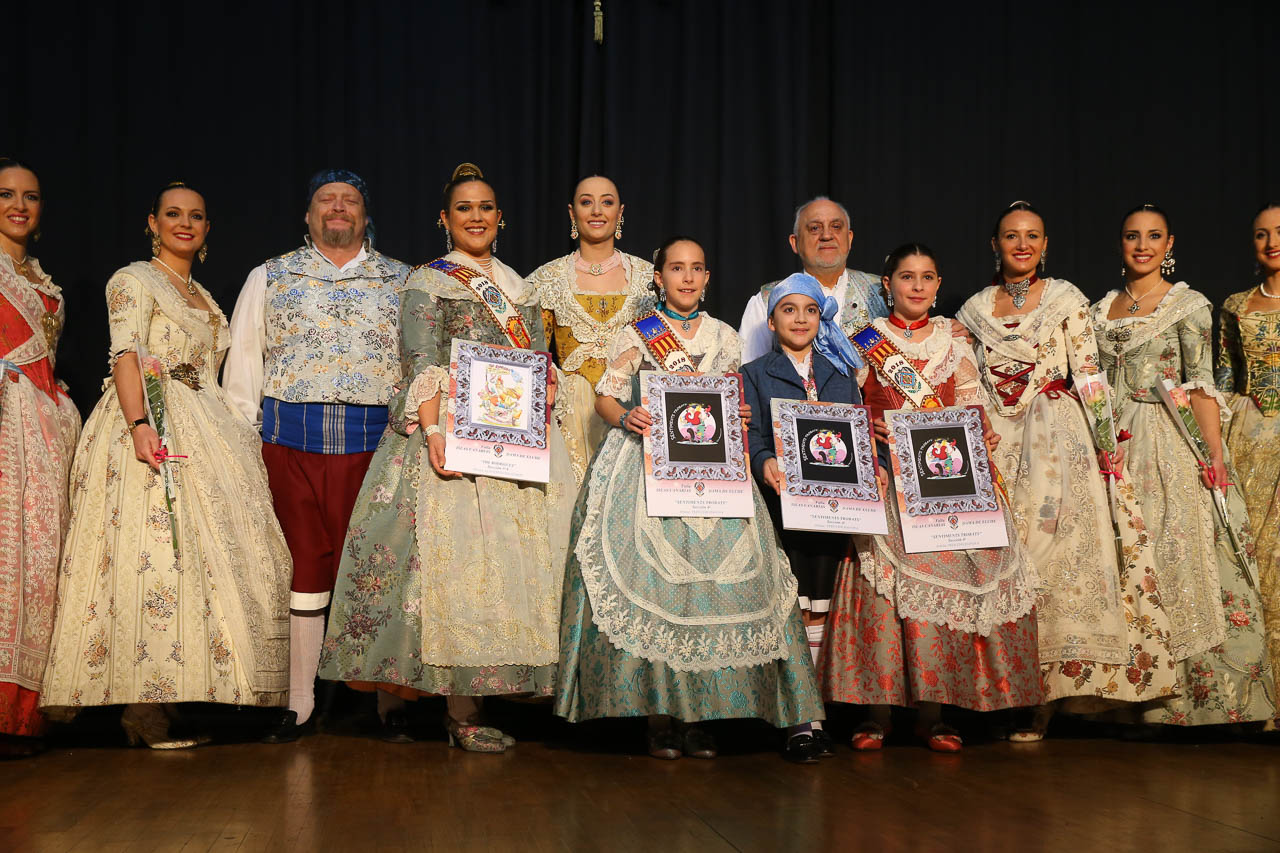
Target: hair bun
x=466, y=170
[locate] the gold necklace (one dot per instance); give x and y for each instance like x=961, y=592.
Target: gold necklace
x=22, y=267
x=191, y=288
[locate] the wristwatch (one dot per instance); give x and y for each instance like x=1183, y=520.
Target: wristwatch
x=135, y=424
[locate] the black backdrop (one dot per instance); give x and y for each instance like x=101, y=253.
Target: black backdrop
x=715, y=118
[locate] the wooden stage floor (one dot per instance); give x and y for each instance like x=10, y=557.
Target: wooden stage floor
x=589, y=788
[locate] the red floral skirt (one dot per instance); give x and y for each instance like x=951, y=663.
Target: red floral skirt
x=871, y=656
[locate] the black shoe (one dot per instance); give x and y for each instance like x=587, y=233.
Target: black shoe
x=395, y=728
x=802, y=749
x=826, y=743
x=665, y=743
x=698, y=744
x=287, y=730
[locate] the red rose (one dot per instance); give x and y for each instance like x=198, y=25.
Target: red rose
x=1145, y=661
x=1239, y=618
x=1133, y=674
x=1072, y=668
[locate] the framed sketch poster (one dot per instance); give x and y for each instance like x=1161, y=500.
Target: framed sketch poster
x=498, y=413
x=945, y=488
x=827, y=460
x=695, y=454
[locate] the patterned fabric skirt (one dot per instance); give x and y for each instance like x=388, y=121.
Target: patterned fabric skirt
x=597, y=679
x=1254, y=443
x=871, y=656
x=1232, y=681
x=1104, y=636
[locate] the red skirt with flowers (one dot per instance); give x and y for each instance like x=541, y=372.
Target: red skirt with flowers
x=871, y=656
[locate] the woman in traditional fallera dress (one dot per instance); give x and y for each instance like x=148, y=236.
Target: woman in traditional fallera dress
x=1153, y=330
x=1102, y=632
x=1249, y=374
x=450, y=583
x=175, y=575
x=38, y=429
x=679, y=619
x=949, y=627
x=587, y=297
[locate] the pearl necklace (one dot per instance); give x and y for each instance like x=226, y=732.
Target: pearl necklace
x=614, y=261
x=1262, y=288
x=22, y=267
x=191, y=288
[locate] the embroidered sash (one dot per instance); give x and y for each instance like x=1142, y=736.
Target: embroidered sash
x=663, y=344
x=895, y=367
x=492, y=298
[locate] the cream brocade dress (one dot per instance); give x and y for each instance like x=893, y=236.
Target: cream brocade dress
x=138, y=621
x=1103, y=632
x=579, y=326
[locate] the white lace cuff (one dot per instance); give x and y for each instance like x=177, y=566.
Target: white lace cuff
x=1224, y=405
x=427, y=384
x=614, y=384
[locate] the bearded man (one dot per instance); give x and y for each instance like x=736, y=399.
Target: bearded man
x=314, y=357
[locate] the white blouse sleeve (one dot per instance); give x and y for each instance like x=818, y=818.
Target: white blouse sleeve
x=242, y=376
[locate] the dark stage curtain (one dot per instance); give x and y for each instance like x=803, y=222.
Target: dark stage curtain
x=715, y=118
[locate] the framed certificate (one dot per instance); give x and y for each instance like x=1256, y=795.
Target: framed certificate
x=828, y=465
x=945, y=483
x=695, y=454
x=498, y=413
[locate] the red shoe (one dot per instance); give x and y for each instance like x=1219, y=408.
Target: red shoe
x=943, y=739
x=869, y=736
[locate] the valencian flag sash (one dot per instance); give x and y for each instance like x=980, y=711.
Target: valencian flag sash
x=492, y=298
x=663, y=343
x=885, y=356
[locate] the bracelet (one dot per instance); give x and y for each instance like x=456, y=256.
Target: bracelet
x=622, y=419
x=135, y=424
x=431, y=429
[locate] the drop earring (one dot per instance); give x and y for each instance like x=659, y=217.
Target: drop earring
x=448, y=241
x=203, y=254
x=155, y=243
x=888, y=294
x=997, y=257
x=617, y=231
x=1168, y=265
x=1043, y=257
x=573, y=228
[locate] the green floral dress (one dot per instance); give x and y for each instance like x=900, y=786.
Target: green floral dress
x=1216, y=616
x=692, y=617
x=450, y=585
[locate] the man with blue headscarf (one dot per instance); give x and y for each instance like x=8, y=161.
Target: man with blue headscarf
x=314, y=357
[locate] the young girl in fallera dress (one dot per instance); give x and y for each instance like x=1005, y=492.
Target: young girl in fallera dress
x=682, y=620
x=949, y=627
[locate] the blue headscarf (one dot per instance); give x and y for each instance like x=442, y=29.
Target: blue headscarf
x=343, y=176
x=830, y=341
